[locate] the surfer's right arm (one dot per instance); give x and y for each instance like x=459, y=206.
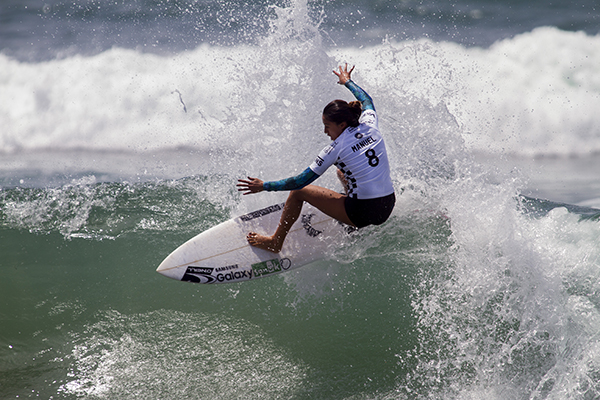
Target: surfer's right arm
x=365, y=100
x=344, y=79
x=255, y=185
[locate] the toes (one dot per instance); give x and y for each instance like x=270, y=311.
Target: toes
x=251, y=237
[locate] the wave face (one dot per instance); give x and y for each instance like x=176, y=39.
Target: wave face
x=113, y=155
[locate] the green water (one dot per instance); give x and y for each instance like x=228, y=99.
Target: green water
x=85, y=314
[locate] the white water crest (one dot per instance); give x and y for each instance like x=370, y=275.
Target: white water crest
x=534, y=94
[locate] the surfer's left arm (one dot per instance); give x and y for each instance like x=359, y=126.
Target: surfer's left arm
x=255, y=185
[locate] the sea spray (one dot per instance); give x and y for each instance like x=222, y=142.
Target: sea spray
x=502, y=317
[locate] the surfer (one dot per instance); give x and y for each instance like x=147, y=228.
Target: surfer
x=357, y=150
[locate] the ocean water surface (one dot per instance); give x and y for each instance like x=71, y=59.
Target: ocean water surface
x=124, y=126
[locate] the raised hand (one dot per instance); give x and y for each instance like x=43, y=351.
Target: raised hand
x=344, y=74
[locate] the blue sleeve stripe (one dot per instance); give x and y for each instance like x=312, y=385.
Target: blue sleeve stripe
x=361, y=95
x=296, y=182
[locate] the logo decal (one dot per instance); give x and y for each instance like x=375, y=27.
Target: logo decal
x=285, y=263
x=310, y=231
x=198, y=275
x=205, y=275
x=227, y=268
x=271, y=266
x=262, y=212
x=234, y=276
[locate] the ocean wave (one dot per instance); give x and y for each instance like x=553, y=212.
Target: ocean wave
x=534, y=94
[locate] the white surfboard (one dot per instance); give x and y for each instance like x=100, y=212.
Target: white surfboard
x=222, y=254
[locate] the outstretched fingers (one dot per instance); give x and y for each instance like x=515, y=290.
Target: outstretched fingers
x=343, y=74
x=251, y=185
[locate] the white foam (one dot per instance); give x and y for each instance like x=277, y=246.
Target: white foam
x=534, y=94
x=110, y=362
x=117, y=100
x=517, y=315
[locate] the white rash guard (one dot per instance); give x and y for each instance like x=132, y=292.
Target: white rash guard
x=360, y=153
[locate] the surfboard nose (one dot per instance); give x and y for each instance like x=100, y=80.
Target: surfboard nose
x=162, y=267
x=169, y=268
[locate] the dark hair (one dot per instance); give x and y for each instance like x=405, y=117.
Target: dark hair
x=339, y=111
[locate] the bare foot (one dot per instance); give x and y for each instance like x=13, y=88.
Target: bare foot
x=264, y=242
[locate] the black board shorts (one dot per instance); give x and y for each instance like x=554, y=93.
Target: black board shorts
x=369, y=211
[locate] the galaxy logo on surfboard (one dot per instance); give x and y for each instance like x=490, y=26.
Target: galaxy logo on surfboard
x=232, y=273
x=205, y=275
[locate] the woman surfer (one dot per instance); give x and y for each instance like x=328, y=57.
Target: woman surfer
x=358, y=151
